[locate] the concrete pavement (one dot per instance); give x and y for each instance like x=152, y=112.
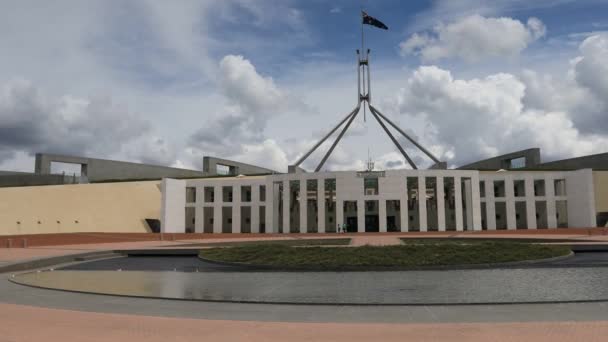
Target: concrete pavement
x=66, y=326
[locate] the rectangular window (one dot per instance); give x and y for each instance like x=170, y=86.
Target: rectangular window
x=262, y=193
x=222, y=169
x=431, y=203
x=499, y=188
x=330, y=204
x=482, y=189
x=246, y=193
x=501, y=215
x=209, y=194
x=190, y=195
x=560, y=187
x=449, y=202
x=370, y=186
x=539, y=187
x=561, y=213
x=517, y=163
x=190, y=222
x=519, y=188
x=227, y=193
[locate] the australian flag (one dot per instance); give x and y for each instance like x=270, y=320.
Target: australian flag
x=369, y=20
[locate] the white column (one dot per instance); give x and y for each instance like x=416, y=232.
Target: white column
x=303, y=205
x=440, y=204
x=217, y=209
x=468, y=200
x=580, y=194
x=551, y=210
x=173, y=206
x=490, y=205
x=382, y=214
x=403, y=206
x=458, y=203
x=255, y=208
x=339, y=213
x=321, y=205
x=236, y=209
x=360, y=216
x=286, y=207
x=476, y=202
x=530, y=202
x=422, y=204
x=272, y=208
x=510, y=202
x=199, y=211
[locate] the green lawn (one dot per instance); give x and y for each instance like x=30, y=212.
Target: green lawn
x=462, y=240
x=290, y=242
x=407, y=255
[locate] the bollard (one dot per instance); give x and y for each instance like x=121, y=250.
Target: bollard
x=9, y=243
x=24, y=243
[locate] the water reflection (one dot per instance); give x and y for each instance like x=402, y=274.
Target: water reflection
x=461, y=286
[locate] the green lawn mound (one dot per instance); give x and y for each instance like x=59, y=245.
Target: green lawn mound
x=409, y=255
x=290, y=242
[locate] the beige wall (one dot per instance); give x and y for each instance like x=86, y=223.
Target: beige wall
x=108, y=207
x=600, y=182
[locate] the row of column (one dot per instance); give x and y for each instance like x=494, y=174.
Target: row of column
x=236, y=206
x=471, y=198
x=510, y=200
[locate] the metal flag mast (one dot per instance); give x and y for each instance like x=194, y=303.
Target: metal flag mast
x=364, y=98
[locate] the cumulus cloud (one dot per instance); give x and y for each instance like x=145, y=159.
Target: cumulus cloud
x=582, y=91
x=31, y=121
x=268, y=154
x=474, y=38
x=479, y=118
x=247, y=89
x=252, y=100
x=590, y=69
x=152, y=150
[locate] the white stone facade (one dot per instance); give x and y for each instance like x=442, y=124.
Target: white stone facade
x=379, y=201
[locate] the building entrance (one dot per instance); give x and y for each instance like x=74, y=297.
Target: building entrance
x=372, y=223
x=351, y=224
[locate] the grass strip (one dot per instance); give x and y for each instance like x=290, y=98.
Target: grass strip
x=409, y=255
x=290, y=242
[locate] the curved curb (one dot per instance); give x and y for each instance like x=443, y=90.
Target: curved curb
x=32, y=264
x=236, y=301
x=510, y=264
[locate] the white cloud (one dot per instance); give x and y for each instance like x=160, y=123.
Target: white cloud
x=582, y=91
x=151, y=150
x=482, y=117
x=31, y=121
x=591, y=68
x=249, y=90
x=267, y=154
x=239, y=127
x=474, y=38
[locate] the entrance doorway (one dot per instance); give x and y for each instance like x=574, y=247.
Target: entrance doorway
x=351, y=224
x=372, y=223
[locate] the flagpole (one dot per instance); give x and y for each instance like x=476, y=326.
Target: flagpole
x=363, y=53
x=362, y=35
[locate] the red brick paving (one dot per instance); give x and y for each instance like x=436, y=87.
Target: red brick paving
x=18, y=241
x=66, y=326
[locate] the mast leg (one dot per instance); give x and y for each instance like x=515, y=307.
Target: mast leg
x=409, y=160
x=326, y=136
x=331, y=149
x=429, y=154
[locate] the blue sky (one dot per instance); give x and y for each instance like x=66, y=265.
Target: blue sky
x=260, y=81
